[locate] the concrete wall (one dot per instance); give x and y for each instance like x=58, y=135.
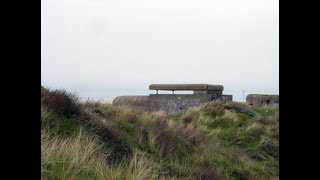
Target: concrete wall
x=259, y=100
x=213, y=92
x=226, y=98
x=176, y=103
x=170, y=103
x=139, y=102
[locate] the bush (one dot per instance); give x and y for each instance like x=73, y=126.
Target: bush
x=60, y=102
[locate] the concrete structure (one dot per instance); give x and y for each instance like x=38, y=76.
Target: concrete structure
x=140, y=102
x=174, y=103
x=258, y=100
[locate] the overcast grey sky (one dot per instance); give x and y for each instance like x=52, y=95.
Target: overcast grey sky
x=102, y=44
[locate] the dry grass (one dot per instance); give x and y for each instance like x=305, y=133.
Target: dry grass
x=141, y=168
x=71, y=158
x=46, y=115
x=213, y=141
x=81, y=157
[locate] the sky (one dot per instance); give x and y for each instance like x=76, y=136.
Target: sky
x=105, y=48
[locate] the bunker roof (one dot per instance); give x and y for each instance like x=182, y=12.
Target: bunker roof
x=263, y=95
x=185, y=87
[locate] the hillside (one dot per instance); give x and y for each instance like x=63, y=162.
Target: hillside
x=99, y=141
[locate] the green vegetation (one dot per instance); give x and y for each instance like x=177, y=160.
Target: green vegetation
x=99, y=141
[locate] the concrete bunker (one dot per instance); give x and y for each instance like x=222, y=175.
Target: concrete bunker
x=258, y=100
x=174, y=103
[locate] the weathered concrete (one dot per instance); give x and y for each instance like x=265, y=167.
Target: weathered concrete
x=139, y=102
x=174, y=103
x=226, y=98
x=258, y=100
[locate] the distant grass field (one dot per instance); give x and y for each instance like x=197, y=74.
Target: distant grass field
x=99, y=141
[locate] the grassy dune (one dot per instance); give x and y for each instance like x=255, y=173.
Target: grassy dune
x=99, y=141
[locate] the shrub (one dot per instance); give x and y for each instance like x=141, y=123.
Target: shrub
x=60, y=102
